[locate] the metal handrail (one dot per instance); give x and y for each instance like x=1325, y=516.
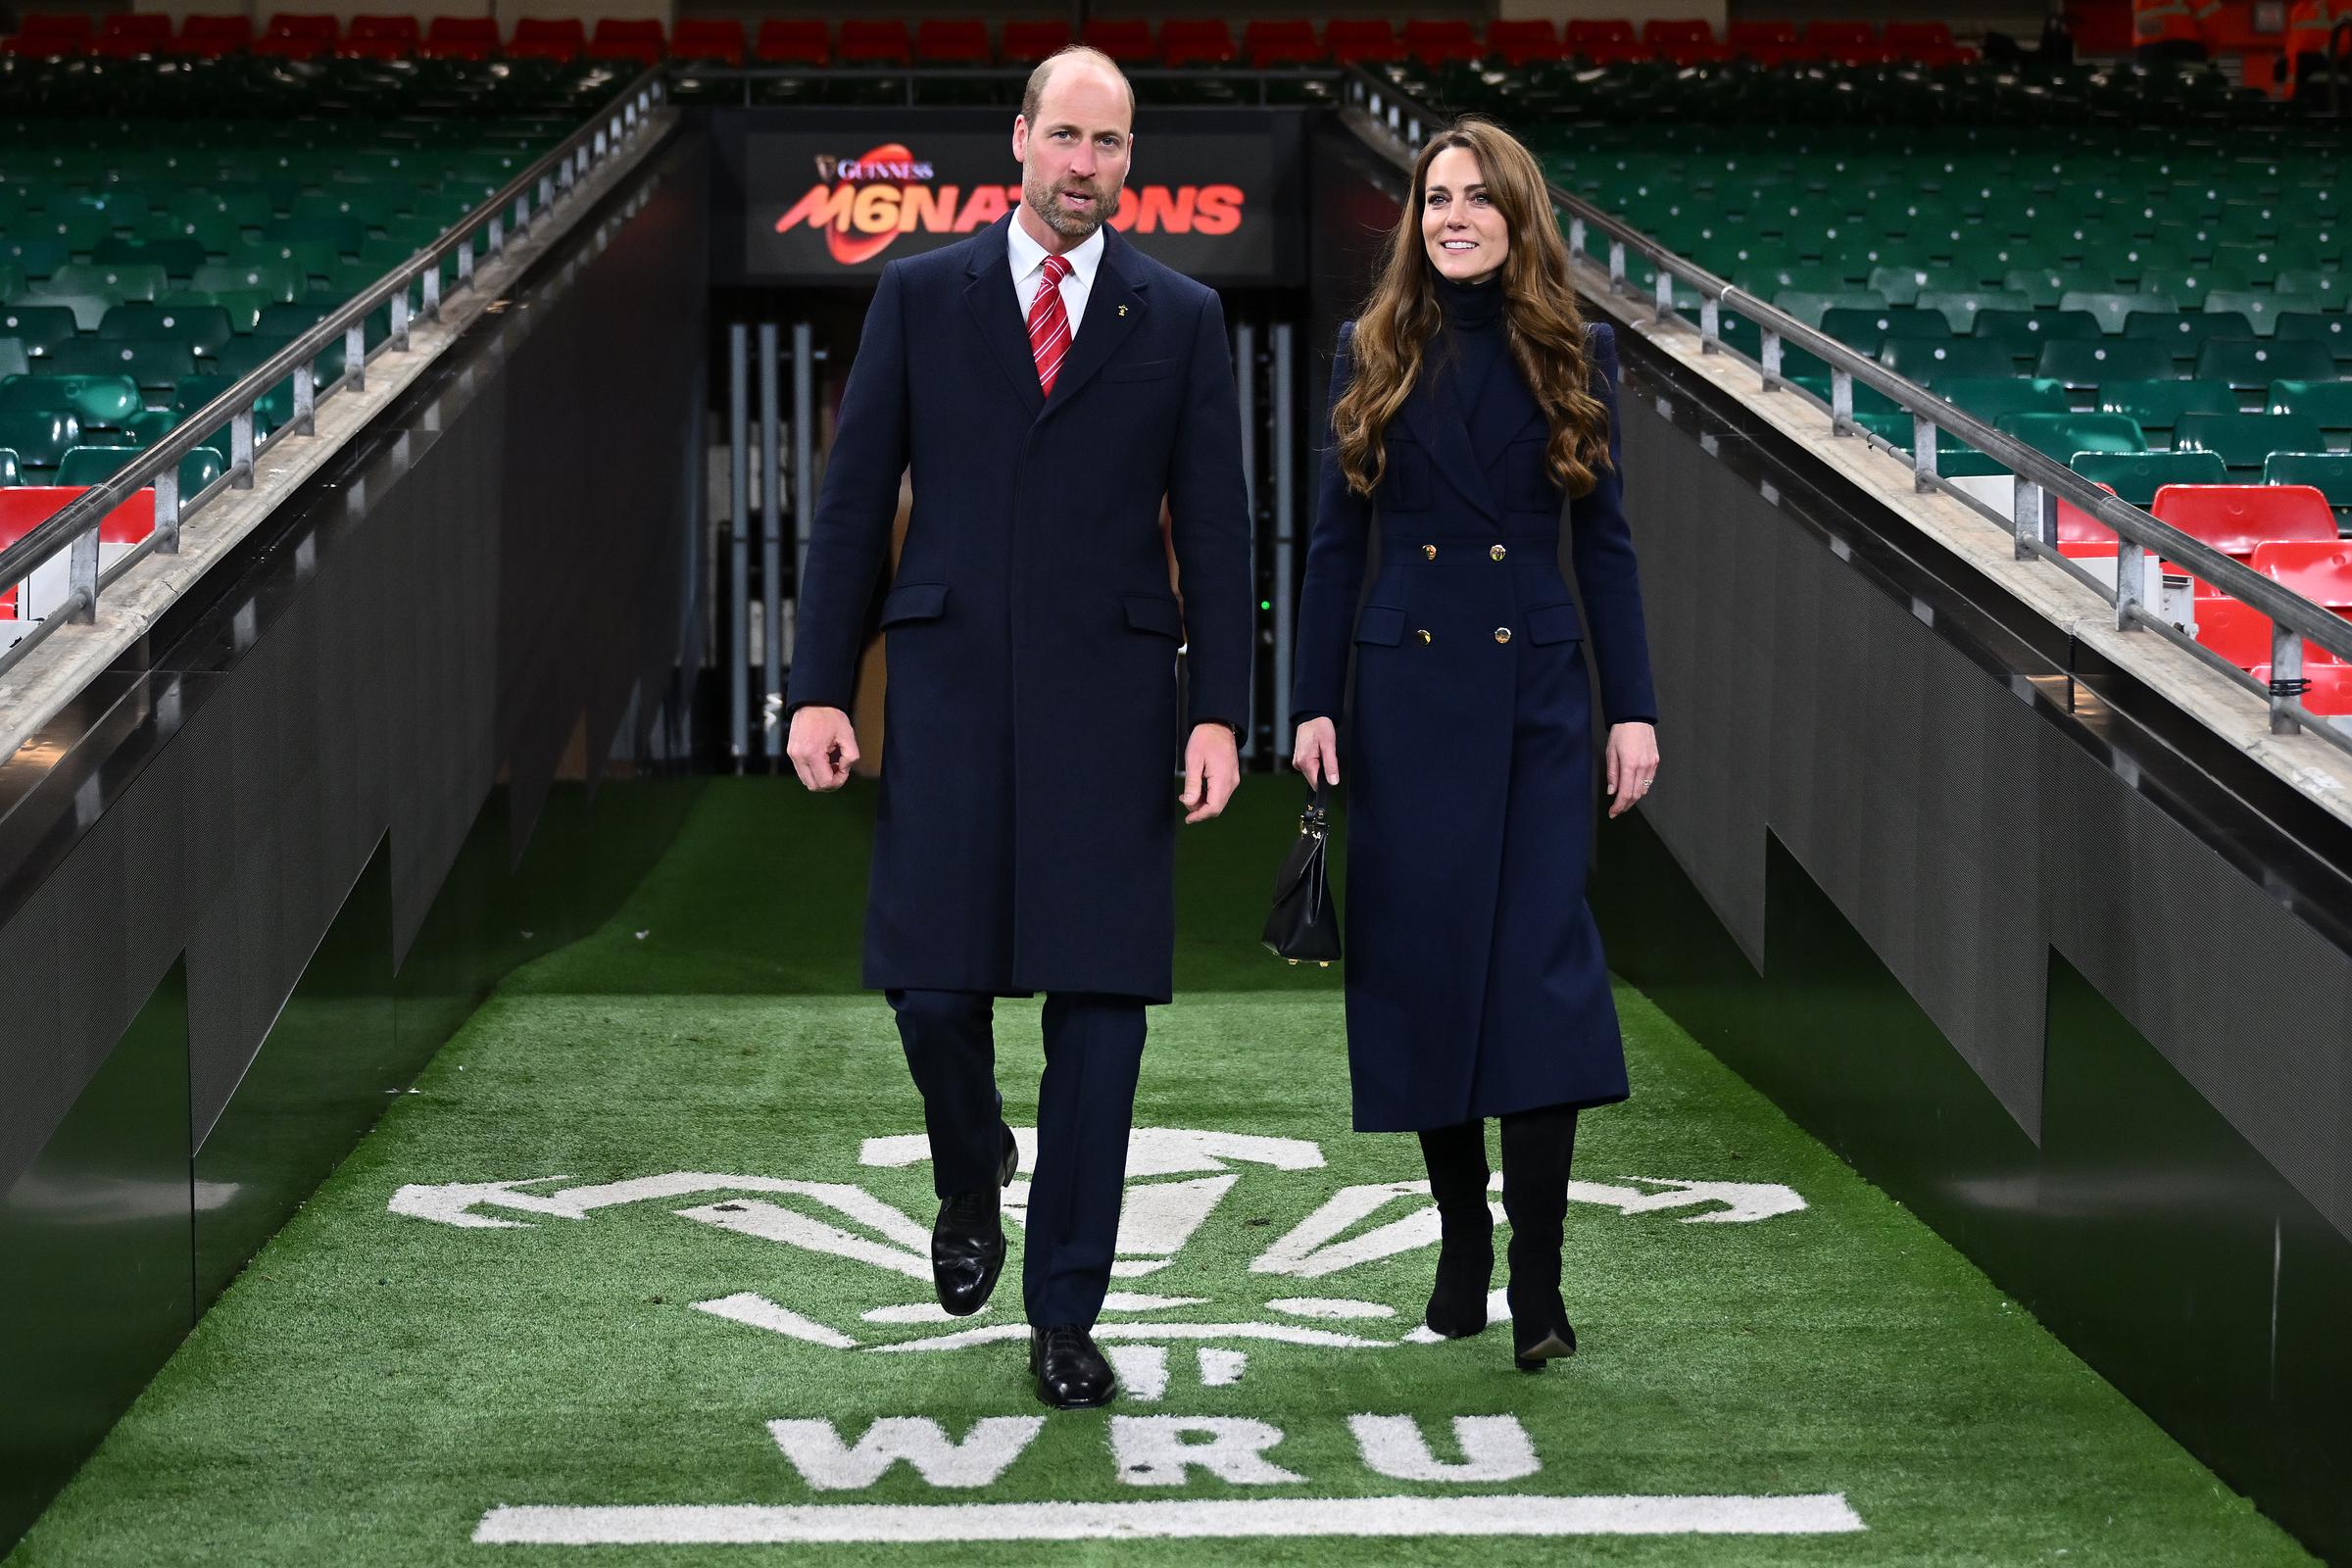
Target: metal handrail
x=75, y=525
x=2042, y=480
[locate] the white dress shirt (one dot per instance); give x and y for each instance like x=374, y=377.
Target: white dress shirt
x=1028, y=259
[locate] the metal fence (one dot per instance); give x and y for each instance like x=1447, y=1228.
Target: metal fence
x=1396, y=125
x=74, y=530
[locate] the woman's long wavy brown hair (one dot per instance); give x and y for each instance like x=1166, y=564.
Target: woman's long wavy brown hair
x=1542, y=326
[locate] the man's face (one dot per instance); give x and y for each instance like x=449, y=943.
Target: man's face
x=1074, y=158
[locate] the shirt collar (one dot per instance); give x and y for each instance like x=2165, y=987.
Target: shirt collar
x=1026, y=254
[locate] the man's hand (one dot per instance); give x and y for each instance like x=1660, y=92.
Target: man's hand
x=1212, y=772
x=1316, y=750
x=823, y=747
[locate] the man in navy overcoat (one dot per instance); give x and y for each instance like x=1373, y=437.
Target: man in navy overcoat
x=1049, y=385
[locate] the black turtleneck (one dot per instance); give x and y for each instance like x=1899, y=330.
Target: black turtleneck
x=1469, y=347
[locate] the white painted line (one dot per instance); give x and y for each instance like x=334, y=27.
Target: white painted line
x=1288, y=1333
x=756, y=1524
x=1222, y=1369
x=1329, y=1306
x=1143, y=1369
x=750, y=1306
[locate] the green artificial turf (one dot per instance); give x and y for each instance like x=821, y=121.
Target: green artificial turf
x=375, y=1383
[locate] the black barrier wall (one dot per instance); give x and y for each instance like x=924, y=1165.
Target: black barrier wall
x=2067, y=976
x=254, y=878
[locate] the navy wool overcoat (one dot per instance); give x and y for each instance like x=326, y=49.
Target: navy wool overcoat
x=1025, y=834
x=1474, y=982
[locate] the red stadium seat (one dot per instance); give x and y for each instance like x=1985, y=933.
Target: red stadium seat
x=874, y=42
x=2234, y=519
x=1769, y=43
x=401, y=29
x=2237, y=633
x=640, y=38
x=26, y=507
x=1586, y=31
x=952, y=41
x=2330, y=691
x=212, y=35
x=44, y=37
x=1025, y=43
x=1359, y=40
x=308, y=25
x=2080, y=534
x=1911, y=36
x=374, y=49
x=1443, y=42
x=1273, y=44
x=1196, y=41
x=1525, y=42
x=704, y=38
x=2321, y=573
x=548, y=38
x=792, y=41
x=285, y=46
x=1685, y=43
x=1127, y=40
x=459, y=38
x=125, y=33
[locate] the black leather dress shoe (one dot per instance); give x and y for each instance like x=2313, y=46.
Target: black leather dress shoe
x=967, y=1242
x=1071, y=1374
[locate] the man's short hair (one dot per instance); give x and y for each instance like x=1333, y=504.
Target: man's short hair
x=1033, y=96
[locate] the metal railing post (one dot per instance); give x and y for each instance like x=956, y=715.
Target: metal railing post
x=2287, y=681
x=739, y=540
x=771, y=536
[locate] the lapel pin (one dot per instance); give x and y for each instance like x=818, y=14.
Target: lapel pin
x=1122, y=309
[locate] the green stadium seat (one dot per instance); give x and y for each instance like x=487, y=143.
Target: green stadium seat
x=115, y=283
x=275, y=408
x=2261, y=311
x=12, y=281
x=38, y=328
x=1810, y=306
x=2329, y=473
x=2185, y=335
x=87, y=310
x=1961, y=305
x=39, y=439
x=1866, y=330
x=150, y=362
x=2136, y=476
x=81, y=465
x=14, y=361
x=2301, y=327
x=1898, y=285
x=312, y=259
x=2327, y=404
x=2062, y=435
x=2024, y=332
x=2246, y=441
x=1866, y=399
x=2045, y=287
x=243, y=311
x=2251, y=367
x=2159, y=403
x=33, y=256
x=344, y=234
x=11, y=472
x=76, y=231
x=1932, y=361
x=2087, y=366
x=2193, y=283
x=1990, y=397
x=104, y=401
x=2314, y=291
x=203, y=328
x=176, y=257
x=269, y=277
x=2116, y=310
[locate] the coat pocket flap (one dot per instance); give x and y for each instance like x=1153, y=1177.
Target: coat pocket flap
x=1380, y=623
x=913, y=601
x=1554, y=623
x=1151, y=613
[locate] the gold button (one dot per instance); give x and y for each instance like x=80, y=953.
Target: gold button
x=1423, y=635
x=1430, y=552
x=1503, y=634
x=1498, y=551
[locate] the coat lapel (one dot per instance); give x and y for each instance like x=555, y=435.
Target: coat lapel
x=1114, y=309
x=1437, y=420
x=988, y=294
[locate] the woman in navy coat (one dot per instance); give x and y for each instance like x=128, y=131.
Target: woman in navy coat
x=1471, y=404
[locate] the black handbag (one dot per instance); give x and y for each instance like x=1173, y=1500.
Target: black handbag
x=1303, y=927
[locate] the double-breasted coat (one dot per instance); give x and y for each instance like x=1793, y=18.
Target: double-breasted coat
x=1025, y=832
x=1475, y=981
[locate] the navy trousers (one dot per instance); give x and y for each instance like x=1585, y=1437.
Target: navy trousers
x=1085, y=1106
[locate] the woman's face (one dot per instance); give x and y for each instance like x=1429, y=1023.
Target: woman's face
x=1461, y=224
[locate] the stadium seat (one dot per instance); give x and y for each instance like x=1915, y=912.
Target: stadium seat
x=2330, y=691
x=2061, y=436
x=27, y=506
x=101, y=401
x=178, y=258
x=1961, y=305
x=88, y=465
x=38, y=328
x=1025, y=43
x=2246, y=441
x=1437, y=43
x=2251, y=367
x=275, y=408
x=1687, y=42
x=273, y=279
x=2327, y=404
x=123, y=36
x=641, y=39
x=203, y=330
x=459, y=38
x=1931, y=361
x=1362, y=40
x=2329, y=473
x=1196, y=41
x=716, y=40
x=874, y=43
x=149, y=362
x=2234, y=519
x=2158, y=403
x=1522, y=43
x=2237, y=631
x=11, y=472
x=2321, y=571
x=794, y=41
x=2185, y=335
x=1990, y=397
x=2136, y=476
x=39, y=439
x=1277, y=45
x=1866, y=330
x=2087, y=366
x=2024, y=332
x=549, y=38
x=115, y=281
x=2335, y=331
x=400, y=30
x=2116, y=310
x=213, y=35
x=1126, y=40
x=2312, y=290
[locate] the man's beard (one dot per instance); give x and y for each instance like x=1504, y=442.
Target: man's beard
x=1044, y=200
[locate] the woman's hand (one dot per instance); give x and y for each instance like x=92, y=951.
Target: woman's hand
x=1632, y=763
x=1316, y=750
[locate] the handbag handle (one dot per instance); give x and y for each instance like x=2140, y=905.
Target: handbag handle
x=1315, y=819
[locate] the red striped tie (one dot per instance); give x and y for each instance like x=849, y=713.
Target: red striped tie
x=1050, y=325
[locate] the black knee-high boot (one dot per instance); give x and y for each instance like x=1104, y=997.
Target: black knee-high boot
x=1537, y=1146
x=1456, y=1158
